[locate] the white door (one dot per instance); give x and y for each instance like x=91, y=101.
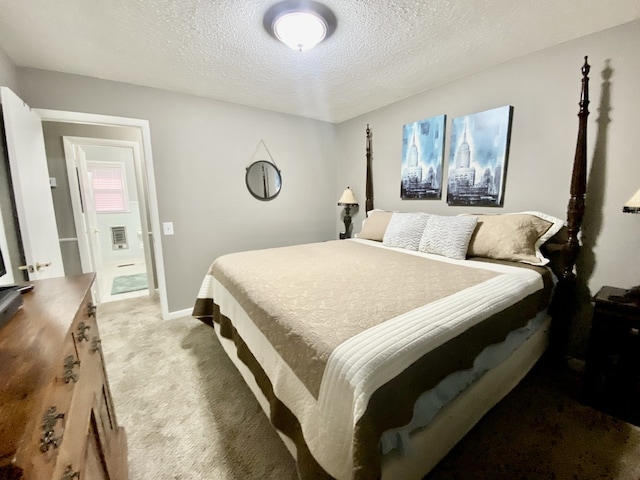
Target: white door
x=32, y=193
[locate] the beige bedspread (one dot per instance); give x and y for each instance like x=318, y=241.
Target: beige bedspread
x=347, y=317
x=308, y=299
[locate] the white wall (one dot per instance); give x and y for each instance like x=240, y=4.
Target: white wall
x=544, y=90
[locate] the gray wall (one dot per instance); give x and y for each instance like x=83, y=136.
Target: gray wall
x=8, y=72
x=200, y=151
x=544, y=91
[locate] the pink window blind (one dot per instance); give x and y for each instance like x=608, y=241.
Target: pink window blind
x=108, y=188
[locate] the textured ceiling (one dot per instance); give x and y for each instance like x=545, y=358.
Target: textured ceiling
x=382, y=50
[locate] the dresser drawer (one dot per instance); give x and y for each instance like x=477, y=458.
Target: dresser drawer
x=56, y=414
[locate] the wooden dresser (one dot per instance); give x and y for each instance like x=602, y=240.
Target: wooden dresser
x=57, y=419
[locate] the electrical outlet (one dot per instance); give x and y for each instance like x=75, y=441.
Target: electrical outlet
x=167, y=228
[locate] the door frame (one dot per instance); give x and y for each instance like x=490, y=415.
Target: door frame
x=107, y=120
x=76, y=173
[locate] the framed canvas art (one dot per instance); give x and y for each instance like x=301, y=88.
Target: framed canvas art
x=422, y=159
x=478, y=158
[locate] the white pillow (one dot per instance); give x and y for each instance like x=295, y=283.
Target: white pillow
x=448, y=236
x=405, y=230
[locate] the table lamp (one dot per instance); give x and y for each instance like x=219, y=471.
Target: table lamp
x=633, y=206
x=347, y=200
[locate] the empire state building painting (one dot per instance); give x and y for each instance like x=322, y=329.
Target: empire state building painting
x=422, y=159
x=478, y=158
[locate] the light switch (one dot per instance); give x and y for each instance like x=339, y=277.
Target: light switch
x=53, y=183
x=167, y=228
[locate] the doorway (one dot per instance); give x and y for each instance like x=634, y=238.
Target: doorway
x=143, y=138
x=110, y=210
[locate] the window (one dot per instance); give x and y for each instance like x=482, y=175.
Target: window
x=109, y=187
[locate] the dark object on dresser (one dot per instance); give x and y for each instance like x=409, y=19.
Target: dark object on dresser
x=612, y=377
x=10, y=302
x=57, y=419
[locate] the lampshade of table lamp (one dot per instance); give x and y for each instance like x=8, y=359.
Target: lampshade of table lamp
x=347, y=200
x=633, y=204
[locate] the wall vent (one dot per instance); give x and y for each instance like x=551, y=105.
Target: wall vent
x=119, y=238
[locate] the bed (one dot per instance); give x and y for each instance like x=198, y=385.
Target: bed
x=379, y=373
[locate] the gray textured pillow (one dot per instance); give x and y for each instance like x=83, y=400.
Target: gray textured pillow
x=448, y=236
x=405, y=230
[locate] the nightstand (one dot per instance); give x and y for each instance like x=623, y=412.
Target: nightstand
x=612, y=375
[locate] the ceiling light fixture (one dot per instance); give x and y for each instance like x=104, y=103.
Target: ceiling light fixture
x=299, y=24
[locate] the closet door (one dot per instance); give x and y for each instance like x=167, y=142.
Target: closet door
x=31, y=190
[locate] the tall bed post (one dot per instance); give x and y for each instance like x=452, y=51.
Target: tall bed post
x=369, y=187
x=575, y=210
x=564, y=304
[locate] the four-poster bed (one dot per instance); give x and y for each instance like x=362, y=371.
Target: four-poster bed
x=381, y=378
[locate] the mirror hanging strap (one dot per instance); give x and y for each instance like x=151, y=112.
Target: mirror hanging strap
x=253, y=157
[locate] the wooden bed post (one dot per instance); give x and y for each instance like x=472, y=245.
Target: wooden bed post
x=565, y=298
x=575, y=210
x=369, y=187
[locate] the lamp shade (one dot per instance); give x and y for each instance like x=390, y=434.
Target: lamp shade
x=633, y=204
x=300, y=30
x=347, y=198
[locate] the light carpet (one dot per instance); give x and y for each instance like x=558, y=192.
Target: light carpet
x=189, y=415
x=186, y=411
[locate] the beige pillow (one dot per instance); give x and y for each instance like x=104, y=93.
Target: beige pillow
x=375, y=225
x=513, y=236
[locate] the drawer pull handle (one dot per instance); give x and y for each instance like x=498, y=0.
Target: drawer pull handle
x=69, y=363
x=91, y=310
x=95, y=344
x=49, y=421
x=69, y=474
x=82, y=332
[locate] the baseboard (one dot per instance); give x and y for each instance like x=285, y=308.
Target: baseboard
x=179, y=314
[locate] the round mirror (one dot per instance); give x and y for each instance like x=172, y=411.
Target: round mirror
x=263, y=180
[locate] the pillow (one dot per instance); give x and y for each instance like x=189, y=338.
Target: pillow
x=448, y=236
x=374, y=226
x=513, y=236
x=405, y=230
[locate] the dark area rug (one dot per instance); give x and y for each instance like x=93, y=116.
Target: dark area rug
x=542, y=431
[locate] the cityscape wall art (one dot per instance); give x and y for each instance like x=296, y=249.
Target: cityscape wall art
x=478, y=157
x=422, y=159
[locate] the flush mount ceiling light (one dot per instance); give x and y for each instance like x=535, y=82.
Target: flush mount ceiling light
x=299, y=24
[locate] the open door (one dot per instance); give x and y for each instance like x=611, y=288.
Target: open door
x=31, y=189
